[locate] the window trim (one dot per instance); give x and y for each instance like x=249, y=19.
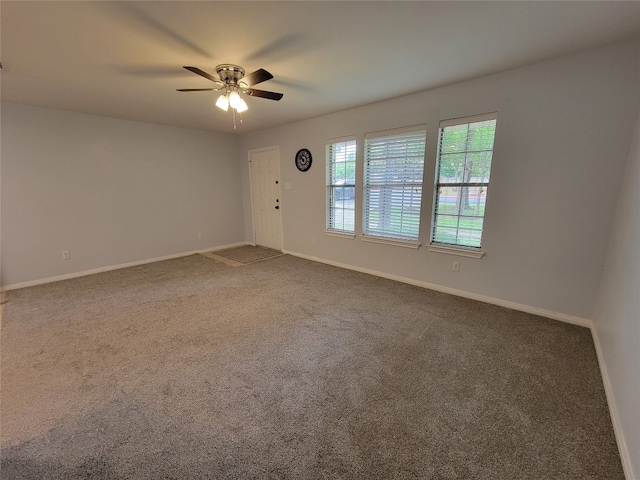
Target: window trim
x=396, y=242
x=461, y=251
x=481, y=117
x=339, y=234
x=449, y=248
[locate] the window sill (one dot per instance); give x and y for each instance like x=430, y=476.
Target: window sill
x=460, y=251
x=338, y=234
x=391, y=241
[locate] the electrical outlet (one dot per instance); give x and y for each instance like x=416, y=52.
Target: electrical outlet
x=65, y=255
x=199, y=234
x=313, y=240
x=455, y=266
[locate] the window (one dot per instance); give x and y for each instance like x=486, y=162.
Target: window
x=341, y=189
x=393, y=170
x=465, y=150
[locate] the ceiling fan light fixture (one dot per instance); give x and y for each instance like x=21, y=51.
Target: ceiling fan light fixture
x=241, y=106
x=223, y=102
x=233, y=80
x=234, y=100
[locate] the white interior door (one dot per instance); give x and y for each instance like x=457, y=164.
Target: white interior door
x=264, y=166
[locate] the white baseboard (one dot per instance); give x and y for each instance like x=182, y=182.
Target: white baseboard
x=627, y=466
x=583, y=322
x=563, y=317
x=84, y=273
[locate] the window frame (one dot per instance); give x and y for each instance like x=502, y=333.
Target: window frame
x=331, y=187
x=379, y=235
x=457, y=248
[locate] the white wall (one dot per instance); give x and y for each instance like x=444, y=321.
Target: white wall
x=564, y=129
x=113, y=192
x=617, y=315
x=110, y=192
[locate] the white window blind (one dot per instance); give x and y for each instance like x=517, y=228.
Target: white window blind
x=465, y=152
x=341, y=184
x=393, y=171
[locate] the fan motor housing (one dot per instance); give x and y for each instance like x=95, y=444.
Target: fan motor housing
x=230, y=74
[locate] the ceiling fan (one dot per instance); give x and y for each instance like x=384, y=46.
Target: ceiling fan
x=233, y=81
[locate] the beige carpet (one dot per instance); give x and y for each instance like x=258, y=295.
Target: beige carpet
x=290, y=369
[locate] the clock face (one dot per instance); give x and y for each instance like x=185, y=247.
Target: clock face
x=303, y=159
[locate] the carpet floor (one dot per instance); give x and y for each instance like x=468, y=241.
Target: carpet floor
x=291, y=369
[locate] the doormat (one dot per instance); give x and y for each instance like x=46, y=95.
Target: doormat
x=244, y=255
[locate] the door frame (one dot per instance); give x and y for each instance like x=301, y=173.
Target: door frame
x=276, y=148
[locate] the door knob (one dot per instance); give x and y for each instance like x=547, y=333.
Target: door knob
x=277, y=207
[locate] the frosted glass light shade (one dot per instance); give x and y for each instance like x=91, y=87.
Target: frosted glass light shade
x=234, y=100
x=241, y=105
x=223, y=102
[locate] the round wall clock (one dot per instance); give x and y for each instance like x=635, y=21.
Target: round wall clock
x=303, y=159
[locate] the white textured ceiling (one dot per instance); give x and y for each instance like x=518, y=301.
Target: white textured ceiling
x=124, y=59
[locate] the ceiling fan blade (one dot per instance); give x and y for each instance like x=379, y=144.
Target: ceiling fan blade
x=194, y=89
x=204, y=74
x=254, y=78
x=263, y=94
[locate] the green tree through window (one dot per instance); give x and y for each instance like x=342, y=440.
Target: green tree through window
x=465, y=152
